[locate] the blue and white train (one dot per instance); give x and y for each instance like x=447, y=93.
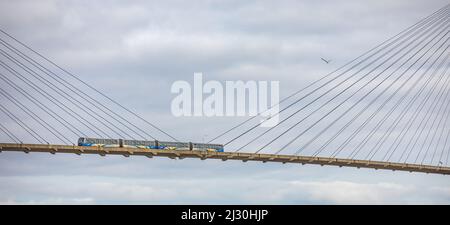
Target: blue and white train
x=123, y=143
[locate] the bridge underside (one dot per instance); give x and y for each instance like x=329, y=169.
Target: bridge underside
x=225, y=156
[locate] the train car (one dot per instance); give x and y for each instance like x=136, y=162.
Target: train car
x=85, y=141
x=139, y=144
x=111, y=143
x=207, y=147
x=170, y=145
x=173, y=145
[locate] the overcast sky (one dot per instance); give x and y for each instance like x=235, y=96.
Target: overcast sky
x=133, y=51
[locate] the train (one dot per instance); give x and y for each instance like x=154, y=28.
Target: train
x=170, y=145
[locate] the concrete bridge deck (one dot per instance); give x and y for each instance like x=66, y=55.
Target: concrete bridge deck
x=27, y=148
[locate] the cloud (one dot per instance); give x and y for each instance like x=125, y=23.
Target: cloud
x=342, y=192
x=211, y=190
x=40, y=178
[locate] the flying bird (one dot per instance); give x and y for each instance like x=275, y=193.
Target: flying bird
x=327, y=61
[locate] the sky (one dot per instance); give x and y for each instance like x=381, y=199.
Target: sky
x=134, y=51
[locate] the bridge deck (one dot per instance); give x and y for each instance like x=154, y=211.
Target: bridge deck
x=225, y=156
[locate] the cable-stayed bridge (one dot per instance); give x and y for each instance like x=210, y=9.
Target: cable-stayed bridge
x=386, y=109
